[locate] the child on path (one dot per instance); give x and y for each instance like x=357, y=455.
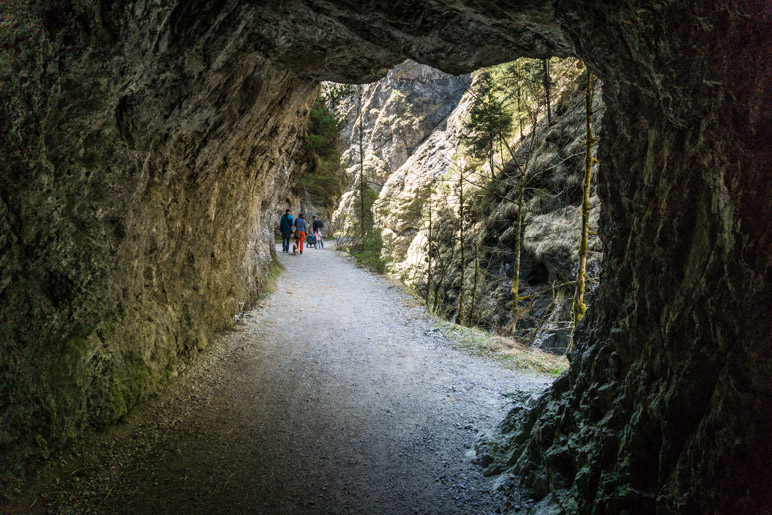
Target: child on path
x=317, y=225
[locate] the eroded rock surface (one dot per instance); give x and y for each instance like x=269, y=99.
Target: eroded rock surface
x=143, y=143
x=428, y=180
x=137, y=221
x=395, y=115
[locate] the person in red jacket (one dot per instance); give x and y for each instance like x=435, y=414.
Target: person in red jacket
x=300, y=231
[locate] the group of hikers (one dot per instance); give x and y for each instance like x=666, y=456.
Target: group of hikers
x=287, y=223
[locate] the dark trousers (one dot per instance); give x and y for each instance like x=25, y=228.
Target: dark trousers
x=285, y=240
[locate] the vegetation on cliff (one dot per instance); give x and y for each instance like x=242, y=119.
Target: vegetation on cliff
x=324, y=185
x=503, y=250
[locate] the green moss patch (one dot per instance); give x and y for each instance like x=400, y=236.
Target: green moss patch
x=508, y=351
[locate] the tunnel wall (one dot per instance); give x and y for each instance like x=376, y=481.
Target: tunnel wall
x=125, y=240
x=664, y=405
x=137, y=212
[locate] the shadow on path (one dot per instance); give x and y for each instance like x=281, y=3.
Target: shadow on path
x=333, y=396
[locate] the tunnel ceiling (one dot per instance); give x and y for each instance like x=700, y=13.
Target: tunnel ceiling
x=349, y=41
x=145, y=149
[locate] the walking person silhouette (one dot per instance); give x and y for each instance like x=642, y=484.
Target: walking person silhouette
x=300, y=231
x=285, y=227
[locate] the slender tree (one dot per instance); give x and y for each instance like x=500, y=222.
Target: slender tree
x=529, y=87
x=546, y=72
x=490, y=119
x=462, y=244
x=473, y=309
x=361, y=168
x=430, y=245
x=519, y=89
x=515, y=291
x=579, y=307
x=443, y=265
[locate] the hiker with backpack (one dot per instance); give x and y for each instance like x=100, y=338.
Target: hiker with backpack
x=285, y=227
x=316, y=226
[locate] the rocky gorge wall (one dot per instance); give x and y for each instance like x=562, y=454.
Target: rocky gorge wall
x=428, y=180
x=395, y=115
x=126, y=116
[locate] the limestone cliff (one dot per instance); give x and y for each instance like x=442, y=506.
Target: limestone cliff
x=551, y=226
x=395, y=115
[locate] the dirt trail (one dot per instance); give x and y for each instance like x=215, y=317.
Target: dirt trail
x=333, y=396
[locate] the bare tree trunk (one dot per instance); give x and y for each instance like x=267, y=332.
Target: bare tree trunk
x=436, y=304
x=472, y=311
x=493, y=174
x=361, y=171
x=439, y=301
x=579, y=308
x=429, y=271
x=516, y=274
x=546, y=69
x=519, y=107
x=461, y=242
x=519, y=102
x=443, y=266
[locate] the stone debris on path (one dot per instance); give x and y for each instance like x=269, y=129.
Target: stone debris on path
x=333, y=396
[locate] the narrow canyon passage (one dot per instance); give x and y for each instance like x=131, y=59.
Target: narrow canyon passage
x=335, y=395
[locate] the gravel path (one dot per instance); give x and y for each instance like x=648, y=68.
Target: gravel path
x=334, y=396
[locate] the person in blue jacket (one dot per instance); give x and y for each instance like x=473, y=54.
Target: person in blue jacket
x=285, y=226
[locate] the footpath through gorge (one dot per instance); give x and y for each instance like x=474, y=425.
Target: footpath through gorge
x=335, y=395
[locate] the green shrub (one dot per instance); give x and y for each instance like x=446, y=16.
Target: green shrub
x=325, y=182
x=368, y=254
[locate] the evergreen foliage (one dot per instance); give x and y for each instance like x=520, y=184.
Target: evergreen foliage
x=367, y=252
x=325, y=184
x=490, y=119
x=493, y=209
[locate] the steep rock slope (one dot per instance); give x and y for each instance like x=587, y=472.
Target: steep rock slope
x=400, y=208
x=394, y=114
x=667, y=402
x=428, y=181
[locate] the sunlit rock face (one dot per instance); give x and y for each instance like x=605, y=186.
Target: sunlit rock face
x=428, y=181
x=394, y=115
x=133, y=197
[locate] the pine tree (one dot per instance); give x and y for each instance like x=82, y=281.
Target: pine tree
x=490, y=120
x=325, y=183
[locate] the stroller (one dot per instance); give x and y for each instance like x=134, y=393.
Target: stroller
x=311, y=241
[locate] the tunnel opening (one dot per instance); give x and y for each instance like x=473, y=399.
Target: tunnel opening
x=424, y=154
x=676, y=188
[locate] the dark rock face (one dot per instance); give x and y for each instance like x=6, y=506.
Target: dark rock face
x=141, y=223
x=136, y=200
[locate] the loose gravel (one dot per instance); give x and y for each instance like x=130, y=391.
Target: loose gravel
x=335, y=395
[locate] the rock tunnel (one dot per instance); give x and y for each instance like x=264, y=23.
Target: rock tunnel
x=146, y=143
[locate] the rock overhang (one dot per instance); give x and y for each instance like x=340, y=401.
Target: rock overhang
x=353, y=42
